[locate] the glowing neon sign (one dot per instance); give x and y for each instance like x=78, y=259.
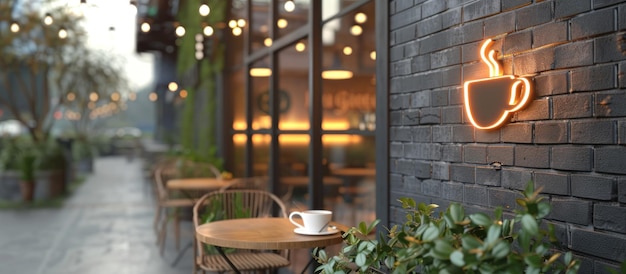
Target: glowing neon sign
x=490, y=101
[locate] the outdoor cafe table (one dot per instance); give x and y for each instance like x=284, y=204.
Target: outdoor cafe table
x=260, y=234
x=203, y=183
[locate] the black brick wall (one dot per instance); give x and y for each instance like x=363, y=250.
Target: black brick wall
x=571, y=139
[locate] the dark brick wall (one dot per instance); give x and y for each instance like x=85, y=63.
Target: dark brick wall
x=570, y=139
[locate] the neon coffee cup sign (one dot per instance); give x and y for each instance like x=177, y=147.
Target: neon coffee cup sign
x=490, y=101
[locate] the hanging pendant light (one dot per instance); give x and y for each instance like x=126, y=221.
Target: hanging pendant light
x=336, y=71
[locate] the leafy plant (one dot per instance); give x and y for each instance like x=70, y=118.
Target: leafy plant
x=453, y=242
x=214, y=211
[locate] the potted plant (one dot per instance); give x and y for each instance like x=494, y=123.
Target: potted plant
x=453, y=242
x=27, y=174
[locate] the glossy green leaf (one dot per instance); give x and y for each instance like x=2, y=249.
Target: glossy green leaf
x=431, y=233
x=457, y=213
x=480, y=219
x=457, y=258
x=442, y=250
x=470, y=242
x=543, y=209
x=360, y=259
x=493, y=234
x=529, y=224
x=533, y=260
x=501, y=249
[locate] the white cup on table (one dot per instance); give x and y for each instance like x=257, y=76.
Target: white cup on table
x=314, y=221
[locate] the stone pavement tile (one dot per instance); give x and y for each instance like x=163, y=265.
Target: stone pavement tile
x=104, y=227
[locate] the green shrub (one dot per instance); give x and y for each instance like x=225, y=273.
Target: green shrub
x=453, y=242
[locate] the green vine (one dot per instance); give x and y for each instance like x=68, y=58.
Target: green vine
x=207, y=70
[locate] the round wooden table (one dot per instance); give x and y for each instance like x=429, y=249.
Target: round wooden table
x=261, y=233
x=197, y=183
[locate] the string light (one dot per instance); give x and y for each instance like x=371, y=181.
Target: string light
x=241, y=23
x=300, y=47
x=62, y=33
x=172, y=86
x=15, y=27
x=204, y=10
x=347, y=50
x=289, y=6
x=180, y=31
x=281, y=23
x=48, y=19
x=145, y=27
x=208, y=31
x=360, y=18
x=356, y=30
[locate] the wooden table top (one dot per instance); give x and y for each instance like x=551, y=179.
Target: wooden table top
x=260, y=233
x=196, y=183
x=354, y=171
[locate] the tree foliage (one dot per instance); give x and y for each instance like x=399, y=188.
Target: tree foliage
x=44, y=57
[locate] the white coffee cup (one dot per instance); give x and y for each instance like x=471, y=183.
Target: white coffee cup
x=315, y=221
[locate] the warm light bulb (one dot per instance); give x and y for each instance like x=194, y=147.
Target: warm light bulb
x=48, y=20
x=356, y=30
x=347, y=50
x=145, y=27
x=289, y=6
x=300, y=47
x=15, y=27
x=183, y=93
x=267, y=42
x=237, y=31
x=232, y=24
x=208, y=31
x=337, y=74
x=71, y=96
x=373, y=55
x=172, y=86
x=204, y=10
x=360, y=18
x=260, y=72
x=115, y=97
x=62, y=33
x=199, y=55
x=153, y=96
x=282, y=23
x=241, y=23
x=93, y=96
x=180, y=31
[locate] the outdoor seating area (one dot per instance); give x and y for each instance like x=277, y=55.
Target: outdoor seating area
x=299, y=136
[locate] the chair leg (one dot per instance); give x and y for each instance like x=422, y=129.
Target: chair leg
x=157, y=218
x=162, y=235
x=177, y=229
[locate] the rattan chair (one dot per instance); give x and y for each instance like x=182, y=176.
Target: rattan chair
x=257, y=182
x=230, y=204
x=168, y=205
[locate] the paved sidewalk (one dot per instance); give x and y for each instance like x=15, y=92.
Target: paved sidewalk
x=104, y=227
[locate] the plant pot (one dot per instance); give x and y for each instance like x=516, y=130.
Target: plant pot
x=27, y=188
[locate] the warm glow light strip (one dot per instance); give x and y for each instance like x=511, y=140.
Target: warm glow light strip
x=525, y=97
x=512, y=101
x=328, y=125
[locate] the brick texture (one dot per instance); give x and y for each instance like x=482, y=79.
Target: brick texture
x=609, y=217
x=570, y=139
x=572, y=211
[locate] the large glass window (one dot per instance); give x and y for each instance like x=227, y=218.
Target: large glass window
x=272, y=132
